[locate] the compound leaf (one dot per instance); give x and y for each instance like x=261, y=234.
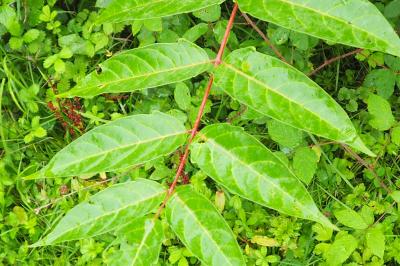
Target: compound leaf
x=239, y=162
x=121, y=10
x=146, y=67
x=119, y=144
x=280, y=91
x=141, y=243
x=337, y=21
x=202, y=229
x=106, y=211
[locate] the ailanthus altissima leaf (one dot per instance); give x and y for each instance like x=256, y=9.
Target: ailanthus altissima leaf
x=141, y=244
x=280, y=91
x=146, y=67
x=119, y=144
x=202, y=229
x=239, y=162
x=352, y=22
x=106, y=211
x=122, y=10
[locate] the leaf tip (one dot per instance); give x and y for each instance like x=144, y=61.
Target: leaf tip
x=327, y=223
x=34, y=176
x=37, y=244
x=359, y=145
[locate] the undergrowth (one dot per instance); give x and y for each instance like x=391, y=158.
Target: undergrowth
x=46, y=47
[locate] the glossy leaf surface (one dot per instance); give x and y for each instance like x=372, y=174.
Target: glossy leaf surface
x=353, y=22
x=202, y=229
x=141, y=244
x=121, y=10
x=145, y=67
x=119, y=144
x=239, y=162
x=107, y=210
x=280, y=91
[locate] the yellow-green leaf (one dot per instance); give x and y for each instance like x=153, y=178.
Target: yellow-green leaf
x=119, y=144
x=141, y=243
x=122, y=10
x=280, y=91
x=202, y=229
x=106, y=211
x=239, y=162
x=375, y=240
x=356, y=23
x=350, y=218
x=341, y=249
x=145, y=67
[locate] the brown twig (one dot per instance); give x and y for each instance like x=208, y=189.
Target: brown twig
x=334, y=59
x=384, y=214
x=196, y=125
x=237, y=115
x=265, y=38
x=368, y=166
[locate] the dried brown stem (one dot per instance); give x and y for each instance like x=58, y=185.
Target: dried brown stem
x=368, y=166
x=237, y=115
x=334, y=59
x=265, y=38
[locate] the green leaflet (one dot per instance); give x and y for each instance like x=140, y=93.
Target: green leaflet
x=106, y=211
x=375, y=240
x=280, y=91
x=341, y=249
x=119, y=144
x=9, y=20
x=202, y=229
x=351, y=218
x=122, y=10
x=146, y=67
x=141, y=244
x=247, y=168
x=352, y=22
x=7, y=15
